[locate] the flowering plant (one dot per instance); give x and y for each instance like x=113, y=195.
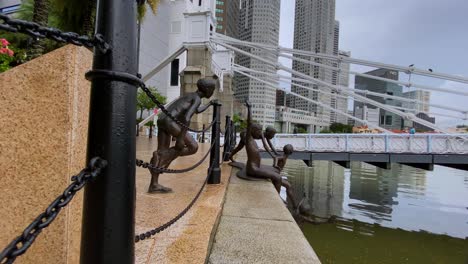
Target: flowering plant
x=6, y=55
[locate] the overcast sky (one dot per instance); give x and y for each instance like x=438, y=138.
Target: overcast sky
x=428, y=33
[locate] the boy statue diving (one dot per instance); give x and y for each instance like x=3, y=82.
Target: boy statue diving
x=182, y=109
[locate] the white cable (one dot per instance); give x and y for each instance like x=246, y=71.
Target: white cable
x=407, y=84
x=340, y=58
x=409, y=116
x=271, y=85
x=365, y=92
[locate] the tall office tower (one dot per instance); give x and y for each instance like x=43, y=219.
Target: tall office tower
x=316, y=30
x=340, y=102
x=387, y=120
x=258, y=22
x=227, y=16
x=420, y=95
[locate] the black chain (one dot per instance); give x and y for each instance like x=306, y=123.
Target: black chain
x=21, y=244
x=136, y=80
x=37, y=31
x=147, y=165
x=163, y=227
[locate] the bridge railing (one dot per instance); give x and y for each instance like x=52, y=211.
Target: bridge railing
x=375, y=143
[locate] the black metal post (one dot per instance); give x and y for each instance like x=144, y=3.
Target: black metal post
x=151, y=132
x=227, y=139
x=215, y=175
x=203, y=135
x=233, y=135
x=137, y=130
x=109, y=203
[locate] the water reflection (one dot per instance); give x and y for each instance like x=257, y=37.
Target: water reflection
x=403, y=197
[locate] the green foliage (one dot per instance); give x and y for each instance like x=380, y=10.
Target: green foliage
x=145, y=103
x=149, y=124
x=153, y=4
x=301, y=130
x=341, y=128
x=240, y=123
x=74, y=15
x=325, y=131
x=8, y=55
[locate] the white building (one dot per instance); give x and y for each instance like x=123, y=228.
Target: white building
x=258, y=22
x=340, y=103
x=162, y=34
x=419, y=95
x=9, y=6
x=366, y=113
x=315, y=29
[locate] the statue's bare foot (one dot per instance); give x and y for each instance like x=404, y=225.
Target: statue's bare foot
x=158, y=188
x=304, y=207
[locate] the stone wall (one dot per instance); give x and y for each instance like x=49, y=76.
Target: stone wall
x=44, y=107
x=199, y=66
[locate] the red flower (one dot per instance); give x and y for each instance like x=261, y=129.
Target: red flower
x=7, y=51
x=4, y=42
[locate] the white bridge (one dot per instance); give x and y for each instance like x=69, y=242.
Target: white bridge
x=418, y=150
x=376, y=143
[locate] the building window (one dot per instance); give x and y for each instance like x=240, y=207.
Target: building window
x=388, y=120
x=175, y=72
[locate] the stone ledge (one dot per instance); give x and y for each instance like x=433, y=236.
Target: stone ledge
x=256, y=227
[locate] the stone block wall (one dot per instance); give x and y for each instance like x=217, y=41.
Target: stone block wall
x=44, y=108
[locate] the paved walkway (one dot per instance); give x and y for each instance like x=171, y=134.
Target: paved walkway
x=256, y=227
x=187, y=241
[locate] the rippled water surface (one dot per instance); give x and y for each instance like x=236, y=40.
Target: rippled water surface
x=370, y=215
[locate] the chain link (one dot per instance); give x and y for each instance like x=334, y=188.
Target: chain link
x=163, y=227
x=147, y=165
x=21, y=244
x=37, y=31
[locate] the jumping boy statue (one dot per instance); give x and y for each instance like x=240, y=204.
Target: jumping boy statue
x=183, y=109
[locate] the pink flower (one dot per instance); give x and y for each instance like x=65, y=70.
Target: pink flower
x=3, y=50
x=10, y=52
x=4, y=42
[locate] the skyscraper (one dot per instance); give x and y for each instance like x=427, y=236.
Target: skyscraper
x=340, y=102
x=227, y=16
x=387, y=120
x=315, y=29
x=258, y=22
x=420, y=95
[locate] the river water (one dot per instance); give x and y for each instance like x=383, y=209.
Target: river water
x=370, y=215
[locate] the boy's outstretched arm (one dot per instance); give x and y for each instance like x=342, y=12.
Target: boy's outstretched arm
x=248, y=133
x=203, y=108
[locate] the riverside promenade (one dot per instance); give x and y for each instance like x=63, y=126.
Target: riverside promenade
x=233, y=222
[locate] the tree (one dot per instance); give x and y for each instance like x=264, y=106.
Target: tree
x=41, y=17
x=240, y=123
x=340, y=128
x=145, y=103
x=75, y=15
x=153, y=4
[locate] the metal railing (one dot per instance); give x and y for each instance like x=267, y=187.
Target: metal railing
x=376, y=143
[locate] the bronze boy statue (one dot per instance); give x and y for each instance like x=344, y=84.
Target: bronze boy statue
x=183, y=109
x=278, y=161
x=253, y=167
x=269, y=134
x=281, y=161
